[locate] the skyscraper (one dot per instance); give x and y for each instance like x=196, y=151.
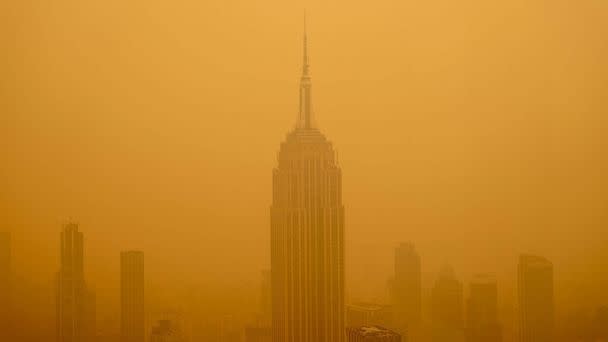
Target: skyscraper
x=407, y=290
x=75, y=304
x=446, y=307
x=307, y=233
x=5, y=285
x=535, y=294
x=132, y=296
x=482, y=310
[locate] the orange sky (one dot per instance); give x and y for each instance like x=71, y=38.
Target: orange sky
x=478, y=130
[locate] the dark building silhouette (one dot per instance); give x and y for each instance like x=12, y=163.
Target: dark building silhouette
x=372, y=333
x=5, y=285
x=535, y=294
x=407, y=290
x=482, y=310
x=307, y=233
x=75, y=305
x=364, y=314
x=446, y=307
x=132, y=316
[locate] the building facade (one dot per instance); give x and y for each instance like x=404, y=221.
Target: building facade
x=75, y=305
x=307, y=233
x=482, y=310
x=535, y=295
x=446, y=307
x=132, y=315
x=407, y=290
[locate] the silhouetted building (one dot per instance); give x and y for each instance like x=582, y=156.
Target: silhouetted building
x=132, y=316
x=307, y=233
x=364, y=314
x=482, y=310
x=407, y=290
x=372, y=333
x=446, y=307
x=166, y=331
x=535, y=293
x=75, y=304
x=5, y=285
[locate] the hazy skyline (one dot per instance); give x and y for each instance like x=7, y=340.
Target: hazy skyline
x=475, y=130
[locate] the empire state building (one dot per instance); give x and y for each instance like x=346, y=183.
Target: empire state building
x=307, y=233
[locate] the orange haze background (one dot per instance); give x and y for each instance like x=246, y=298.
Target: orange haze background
x=478, y=130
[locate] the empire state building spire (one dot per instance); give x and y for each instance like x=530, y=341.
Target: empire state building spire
x=307, y=232
x=305, y=117
x=305, y=65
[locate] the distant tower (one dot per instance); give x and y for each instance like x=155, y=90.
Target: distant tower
x=372, y=333
x=132, y=296
x=482, y=310
x=307, y=233
x=407, y=290
x=446, y=307
x=75, y=304
x=5, y=285
x=535, y=293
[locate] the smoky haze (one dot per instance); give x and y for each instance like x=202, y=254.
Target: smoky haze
x=475, y=130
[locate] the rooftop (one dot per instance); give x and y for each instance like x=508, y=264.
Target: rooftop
x=374, y=331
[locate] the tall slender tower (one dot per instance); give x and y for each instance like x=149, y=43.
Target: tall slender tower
x=307, y=233
x=535, y=292
x=132, y=296
x=71, y=291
